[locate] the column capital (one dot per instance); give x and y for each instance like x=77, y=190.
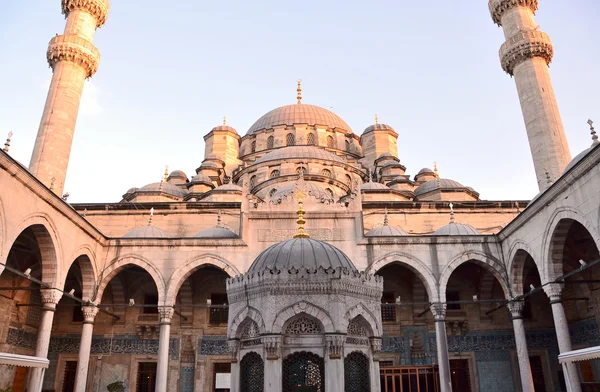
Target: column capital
x=335, y=345
x=516, y=309
x=439, y=311
x=554, y=292
x=50, y=298
x=499, y=7
x=272, y=345
x=89, y=313
x=166, y=314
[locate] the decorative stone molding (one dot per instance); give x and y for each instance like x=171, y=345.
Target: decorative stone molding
x=233, y=346
x=376, y=343
x=439, y=311
x=74, y=49
x=516, y=309
x=166, y=314
x=272, y=345
x=97, y=8
x=50, y=298
x=499, y=7
x=89, y=313
x=554, y=292
x=335, y=345
x=524, y=46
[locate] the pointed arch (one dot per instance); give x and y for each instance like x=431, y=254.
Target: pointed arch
x=555, y=236
x=517, y=257
x=490, y=263
x=299, y=308
x=85, y=257
x=122, y=263
x=184, y=272
x=366, y=314
x=248, y=313
x=415, y=265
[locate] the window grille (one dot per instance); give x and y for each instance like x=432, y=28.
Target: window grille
x=356, y=373
x=310, y=139
x=252, y=373
x=301, y=169
x=303, y=326
x=303, y=371
x=329, y=141
x=275, y=173
x=253, y=146
x=290, y=139
x=270, y=142
x=326, y=173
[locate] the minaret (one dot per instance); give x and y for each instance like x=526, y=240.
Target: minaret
x=526, y=55
x=73, y=59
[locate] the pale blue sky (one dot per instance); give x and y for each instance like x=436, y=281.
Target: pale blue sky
x=170, y=71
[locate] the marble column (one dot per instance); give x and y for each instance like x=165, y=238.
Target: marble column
x=233, y=345
x=334, y=363
x=516, y=313
x=50, y=298
x=554, y=292
x=439, y=314
x=85, y=346
x=376, y=343
x=273, y=363
x=162, y=367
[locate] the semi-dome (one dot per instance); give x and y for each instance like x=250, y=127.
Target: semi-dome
x=456, y=229
x=299, y=114
x=301, y=253
x=216, y=232
x=439, y=183
x=201, y=178
x=385, y=231
x=294, y=152
x=147, y=231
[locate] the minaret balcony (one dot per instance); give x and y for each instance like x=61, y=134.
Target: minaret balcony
x=523, y=46
x=74, y=49
x=97, y=8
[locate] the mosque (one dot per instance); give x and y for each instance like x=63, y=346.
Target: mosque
x=301, y=256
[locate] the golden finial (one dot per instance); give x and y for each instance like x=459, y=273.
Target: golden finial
x=151, y=215
x=166, y=174
x=451, y=212
x=299, y=90
x=592, y=131
x=7, y=144
x=300, y=221
x=224, y=121
x=435, y=170
x=376, y=119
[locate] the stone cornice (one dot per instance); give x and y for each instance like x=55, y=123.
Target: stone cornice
x=499, y=7
x=22, y=175
x=591, y=160
x=524, y=46
x=174, y=242
x=97, y=8
x=76, y=50
x=429, y=240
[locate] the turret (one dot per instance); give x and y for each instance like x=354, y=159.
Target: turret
x=224, y=142
x=73, y=59
x=526, y=55
x=376, y=140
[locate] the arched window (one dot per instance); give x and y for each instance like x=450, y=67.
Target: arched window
x=326, y=172
x=347, y=145
x=290, y=140
x=275, y=173
x=329, y=192
x=348, y=180
x=301, y=169
x=252, y=182
x=356, y=372
x=252, y=373
x=303, y=325
x=270, y=142
x=253, y=146
x=304, y=371
x=272, y=192
x=330, y=141
x=311, y=139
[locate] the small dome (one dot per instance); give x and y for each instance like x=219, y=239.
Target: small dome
x=385, y=231
x=456, y=229
x=441, y=183
x=163, y=187
x=216, y=232
x=369, y=186
x=399, y=180
x=211, y=164
x=147, y=231
x=224, y=128
x=301, y=252
x=578, y=158
x=202, y=179
x=178, y=173
x=425, y=170
x=378, y=127
x=299, y=114
x=392, y=164
x=295, y=152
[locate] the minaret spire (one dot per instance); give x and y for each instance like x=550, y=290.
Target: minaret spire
x=526, y=55
x=73, y=59
x=8, y=139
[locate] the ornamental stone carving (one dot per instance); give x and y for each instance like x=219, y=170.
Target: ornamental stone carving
x=554, y=292
x=272, y=345
x=76, y=50
x=516, y=309
x=439, y=311
x=375, y=344
x=335, y=345
x=50, y=298
x=499, y=7
x=303, y=326
x=97, y=8
x=166, y=314
x=524, y=46
x=89, y=313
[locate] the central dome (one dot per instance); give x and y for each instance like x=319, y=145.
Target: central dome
x=301, y=252
x=299, y=114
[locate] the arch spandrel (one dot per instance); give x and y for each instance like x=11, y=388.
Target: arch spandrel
x=121, y=264
x=488, y=262
x=248, y=313
x=362, y=311
x=299, y=308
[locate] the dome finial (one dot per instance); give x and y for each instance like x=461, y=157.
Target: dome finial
x=593, y=132
x=299, y=90
x=451, y=212
x=300, y=221
x=376, y=118
x=219, y=224
x=224, y=121
x=165, y=174
x=151, y=215
x=435, y=170
x=385, y=218
x=7, y=144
